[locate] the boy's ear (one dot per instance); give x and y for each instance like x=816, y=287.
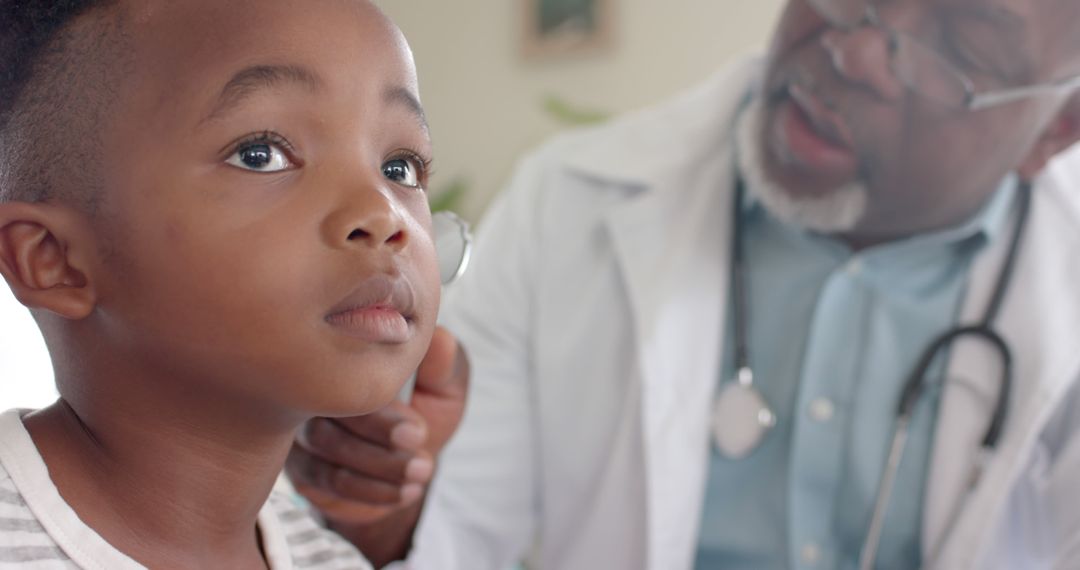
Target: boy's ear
x=1062, y=133
x=43, y=258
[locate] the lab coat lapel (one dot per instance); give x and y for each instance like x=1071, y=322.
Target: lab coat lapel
x=1040, y=320
x=668, y=246
x=670, y=240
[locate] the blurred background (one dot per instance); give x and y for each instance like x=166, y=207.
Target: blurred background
x=497, y=78
x=496, y=81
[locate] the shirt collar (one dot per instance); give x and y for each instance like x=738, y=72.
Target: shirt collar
x=982, y=227
x=907, y=264
x=992, y=218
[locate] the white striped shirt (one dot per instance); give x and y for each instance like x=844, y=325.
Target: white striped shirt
x=39, y=530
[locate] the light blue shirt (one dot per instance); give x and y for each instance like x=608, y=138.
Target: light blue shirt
x=833, y=336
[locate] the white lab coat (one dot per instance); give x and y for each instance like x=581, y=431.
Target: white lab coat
x=593, y=315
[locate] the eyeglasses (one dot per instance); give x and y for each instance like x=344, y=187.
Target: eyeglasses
x=924, y=70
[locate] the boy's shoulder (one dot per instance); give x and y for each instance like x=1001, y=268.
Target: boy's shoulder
x=39, y=530
x=24, y=542
x=287, y=525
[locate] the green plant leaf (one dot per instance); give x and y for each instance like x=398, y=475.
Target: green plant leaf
x=568, y=114
x=449, y=197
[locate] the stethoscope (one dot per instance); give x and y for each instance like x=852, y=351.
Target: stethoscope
x=453, y=245
x=453, y=250
x=742, y=416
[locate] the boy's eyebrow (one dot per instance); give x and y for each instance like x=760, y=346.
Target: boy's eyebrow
x=249, y=80
x=402, y=96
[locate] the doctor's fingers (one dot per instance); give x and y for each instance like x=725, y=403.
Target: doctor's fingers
x=327, y=441
x=316, y=478
x=397, y=425
x=444, y=371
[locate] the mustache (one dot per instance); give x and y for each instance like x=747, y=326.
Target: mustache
x=777, y=90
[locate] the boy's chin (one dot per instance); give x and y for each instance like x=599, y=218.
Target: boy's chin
x=370, y=396
x=356, y=383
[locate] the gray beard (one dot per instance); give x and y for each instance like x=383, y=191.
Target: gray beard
x=836, y=211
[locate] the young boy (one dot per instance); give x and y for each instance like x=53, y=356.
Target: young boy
x=216, y=213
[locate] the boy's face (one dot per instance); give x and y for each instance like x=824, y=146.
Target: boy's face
x=268, y=229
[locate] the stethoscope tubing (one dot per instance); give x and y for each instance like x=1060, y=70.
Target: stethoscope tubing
x=916, y=381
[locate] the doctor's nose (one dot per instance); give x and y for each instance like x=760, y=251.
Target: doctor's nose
x=863, y=56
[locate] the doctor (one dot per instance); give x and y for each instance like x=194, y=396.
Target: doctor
x=690, y=331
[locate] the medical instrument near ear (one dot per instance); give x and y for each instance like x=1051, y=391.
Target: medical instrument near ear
x=737, y=434
x=453, y=247
x=741, y=415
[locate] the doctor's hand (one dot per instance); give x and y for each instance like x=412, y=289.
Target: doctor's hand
x=375, y=468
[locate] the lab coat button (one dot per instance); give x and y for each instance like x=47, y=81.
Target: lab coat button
x=811, y=554
x=822, y=410
x=855, y=267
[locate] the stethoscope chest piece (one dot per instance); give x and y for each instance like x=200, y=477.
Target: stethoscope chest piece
x=741, y=417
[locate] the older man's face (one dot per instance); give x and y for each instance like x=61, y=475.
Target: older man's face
x=836, y=112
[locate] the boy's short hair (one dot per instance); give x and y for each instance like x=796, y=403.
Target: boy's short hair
x=48, y=95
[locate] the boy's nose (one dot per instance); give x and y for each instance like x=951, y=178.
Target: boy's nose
x=376, y=230
x=369, y=218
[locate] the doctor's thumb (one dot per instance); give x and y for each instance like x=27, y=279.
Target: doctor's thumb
x=442, y=383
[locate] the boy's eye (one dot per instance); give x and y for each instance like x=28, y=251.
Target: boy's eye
x=402, y=171
x=260, y=157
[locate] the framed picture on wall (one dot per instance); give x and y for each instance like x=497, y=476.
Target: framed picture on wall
x=556, y=28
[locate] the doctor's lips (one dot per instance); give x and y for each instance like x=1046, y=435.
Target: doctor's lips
x=379, y=310
x=813, y=135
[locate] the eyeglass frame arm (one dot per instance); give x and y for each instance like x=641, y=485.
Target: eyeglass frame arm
x=973, y=101
x=978, y=101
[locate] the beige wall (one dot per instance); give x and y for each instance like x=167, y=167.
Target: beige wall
x=484, y=102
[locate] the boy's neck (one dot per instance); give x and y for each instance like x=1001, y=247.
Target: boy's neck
x=168, y=490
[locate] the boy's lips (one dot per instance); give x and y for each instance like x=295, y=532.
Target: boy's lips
x=813, y=135
x=379, y=310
